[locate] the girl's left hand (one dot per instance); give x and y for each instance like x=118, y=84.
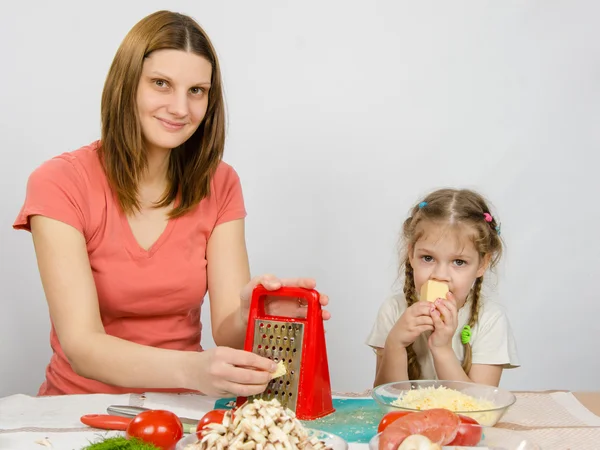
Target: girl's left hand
x=285, y=307
x=445, y=320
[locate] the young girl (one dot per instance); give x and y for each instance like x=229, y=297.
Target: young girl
x=450, y=237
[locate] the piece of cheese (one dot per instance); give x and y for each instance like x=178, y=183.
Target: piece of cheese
x=281, y=371
x=432, y=290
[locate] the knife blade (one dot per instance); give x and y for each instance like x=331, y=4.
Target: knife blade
x=189, y=425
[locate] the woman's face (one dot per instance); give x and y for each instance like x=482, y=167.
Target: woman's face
x=172, y=97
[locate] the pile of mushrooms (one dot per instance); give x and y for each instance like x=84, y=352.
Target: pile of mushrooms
x=258, y=425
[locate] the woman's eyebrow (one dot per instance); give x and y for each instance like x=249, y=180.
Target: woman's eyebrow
x=168, y=78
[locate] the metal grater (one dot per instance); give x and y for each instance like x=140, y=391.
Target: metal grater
x=280, y=341
x=300, y=343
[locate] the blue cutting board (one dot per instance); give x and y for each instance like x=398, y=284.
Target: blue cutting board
x=354, y=419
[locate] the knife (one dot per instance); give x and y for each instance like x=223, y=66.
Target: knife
x=189, y=425
x=106, y=422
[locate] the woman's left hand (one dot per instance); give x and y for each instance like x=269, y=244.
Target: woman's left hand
x=285, y=307
x=445, y=320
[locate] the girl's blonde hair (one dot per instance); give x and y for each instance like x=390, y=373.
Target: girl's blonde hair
x=192, y=164
x=453, y=207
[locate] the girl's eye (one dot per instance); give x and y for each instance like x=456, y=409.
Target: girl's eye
x=196, y=90
x=160, y=83
x=427, y=258
x=460, y=262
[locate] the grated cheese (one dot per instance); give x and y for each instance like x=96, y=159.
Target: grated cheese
x=441, y=397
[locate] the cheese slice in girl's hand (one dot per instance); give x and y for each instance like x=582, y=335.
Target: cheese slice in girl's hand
x=432, y=290
x=281, y=371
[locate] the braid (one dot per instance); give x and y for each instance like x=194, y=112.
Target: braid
x=413, y=366
x=476, y=295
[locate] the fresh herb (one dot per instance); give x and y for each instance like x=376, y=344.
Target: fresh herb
x=121, y=443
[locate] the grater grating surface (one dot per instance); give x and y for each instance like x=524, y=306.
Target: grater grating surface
x=279, y=340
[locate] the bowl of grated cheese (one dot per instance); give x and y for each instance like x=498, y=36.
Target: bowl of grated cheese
x=485, y=404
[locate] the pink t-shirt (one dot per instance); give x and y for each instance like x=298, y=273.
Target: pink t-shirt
x=150, y=297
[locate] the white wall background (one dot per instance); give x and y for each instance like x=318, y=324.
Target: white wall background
x=342, y=113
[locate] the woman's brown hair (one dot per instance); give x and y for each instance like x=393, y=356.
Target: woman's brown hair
x=454, y=207
x=192, y=164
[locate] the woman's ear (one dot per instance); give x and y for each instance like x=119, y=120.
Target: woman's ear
x=485, y=263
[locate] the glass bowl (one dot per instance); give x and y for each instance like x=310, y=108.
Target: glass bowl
x=388, y=393
x=331, y=440
x=492, y=439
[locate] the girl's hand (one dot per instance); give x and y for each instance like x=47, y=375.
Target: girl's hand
x=444, y=314
x=285, y=307
x=414, y=321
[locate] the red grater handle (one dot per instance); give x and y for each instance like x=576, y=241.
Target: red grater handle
x=311, y=296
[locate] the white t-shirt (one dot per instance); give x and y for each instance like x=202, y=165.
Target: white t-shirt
x=492, y=340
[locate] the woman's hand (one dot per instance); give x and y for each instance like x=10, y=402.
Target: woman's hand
x=414, y=321
x=226, y=372
x=444, y=314
x=285, y=307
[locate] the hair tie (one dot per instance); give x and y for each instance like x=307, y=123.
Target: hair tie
x=422, y=205
x=498, y=229
x=465, y=335
x=488, y=217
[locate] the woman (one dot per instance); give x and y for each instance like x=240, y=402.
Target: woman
x=131, y=231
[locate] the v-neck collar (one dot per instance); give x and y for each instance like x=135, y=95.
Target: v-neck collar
x=132, y=244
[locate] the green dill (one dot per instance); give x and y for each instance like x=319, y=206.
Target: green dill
x=121, y=443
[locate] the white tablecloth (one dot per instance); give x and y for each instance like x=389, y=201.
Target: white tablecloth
x=555, y=420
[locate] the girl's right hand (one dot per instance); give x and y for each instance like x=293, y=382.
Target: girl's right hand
x=414, y=321
x=226, y=372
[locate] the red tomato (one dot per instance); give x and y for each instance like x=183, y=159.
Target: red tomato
x=468, y=435
x=214, y=416
x=158, y=427
x=389, y=418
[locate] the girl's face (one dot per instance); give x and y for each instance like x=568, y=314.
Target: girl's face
x=446, y=253
x=172, y=97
